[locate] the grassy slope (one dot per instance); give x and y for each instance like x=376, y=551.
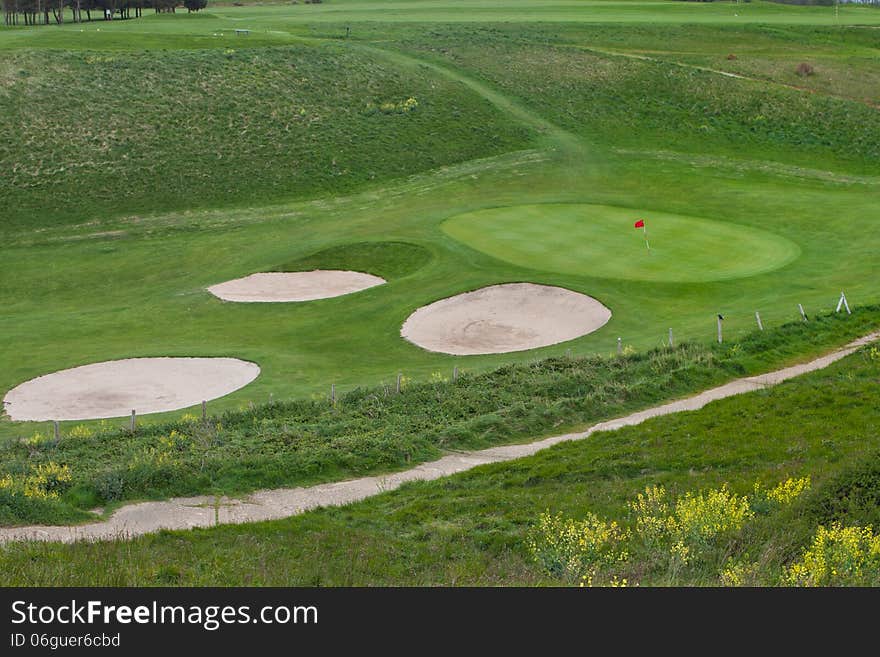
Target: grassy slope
x=147, y=132
x=376, y=430
x=470, y=529
x=570, y=78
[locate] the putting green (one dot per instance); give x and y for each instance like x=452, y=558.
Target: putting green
x=600, y=240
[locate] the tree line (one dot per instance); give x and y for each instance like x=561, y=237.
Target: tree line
x=44, y=12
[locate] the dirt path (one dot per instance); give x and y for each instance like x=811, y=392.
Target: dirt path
x=205, y=511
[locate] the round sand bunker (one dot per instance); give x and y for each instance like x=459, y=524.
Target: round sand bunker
x=504, y=318
x=115, y=388
x=279, y=287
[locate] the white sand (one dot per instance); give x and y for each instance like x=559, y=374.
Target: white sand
x=503, y=318
x=114, y=388
x=278, y=287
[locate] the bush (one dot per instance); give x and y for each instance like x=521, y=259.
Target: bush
x=576, y=550
x=838, y=556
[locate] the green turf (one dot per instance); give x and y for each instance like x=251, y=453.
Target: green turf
x=602, y=241
x=390, y=260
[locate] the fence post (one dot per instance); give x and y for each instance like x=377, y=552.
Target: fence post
x=619, y=346
x=333, y=394
x=758, y=318
x=133, y=420
x=803, y=314
x=399, y=376
x=455, y=373
x=720, y=336
x=204, y=410
x=57, y=430
x=671, y=341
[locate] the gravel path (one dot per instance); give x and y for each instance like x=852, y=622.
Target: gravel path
x=205, y=511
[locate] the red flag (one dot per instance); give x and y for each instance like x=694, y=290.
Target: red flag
x=640, y=223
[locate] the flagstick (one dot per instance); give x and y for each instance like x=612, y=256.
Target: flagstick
x=645, y=228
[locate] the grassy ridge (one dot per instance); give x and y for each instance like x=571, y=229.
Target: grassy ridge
x=146, y=132
x=374, y=430
x=471, y=529
x=615, y=99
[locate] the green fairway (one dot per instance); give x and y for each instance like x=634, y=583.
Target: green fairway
x=601, y=241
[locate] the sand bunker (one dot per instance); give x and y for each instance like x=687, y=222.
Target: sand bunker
x=114, y=388
x=504, y=318
x=277, y=287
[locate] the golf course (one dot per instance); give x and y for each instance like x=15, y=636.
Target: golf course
x=280, y=244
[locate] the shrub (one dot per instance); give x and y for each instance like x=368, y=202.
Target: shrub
x=783, y=494
x=80, y=431
x=838, y=556
x=576, y=549
x=692, y=524
x=43, y=482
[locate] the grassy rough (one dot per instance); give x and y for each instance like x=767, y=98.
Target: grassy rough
x=375, y=429
x=628, y=98
x=471, y=529
x=147, y=132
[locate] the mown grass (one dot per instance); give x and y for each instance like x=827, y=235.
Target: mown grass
x=472, y=529
x=377, y=429
x=390, y=260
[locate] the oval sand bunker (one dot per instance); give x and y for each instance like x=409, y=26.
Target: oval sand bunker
x=503, y=318
x=279, y=287
x=114, y=388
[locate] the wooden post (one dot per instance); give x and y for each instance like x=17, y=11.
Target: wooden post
x=720, y=336
x=57, y=431
x=803, y=314
x=758, y=319
x=333, y=394
x=399, y=376
x=671, y=341
x=619, y=346
x=133, y=420
x=204, y=410
x=455, y=373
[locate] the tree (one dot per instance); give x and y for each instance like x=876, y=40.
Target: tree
x=195, y=5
